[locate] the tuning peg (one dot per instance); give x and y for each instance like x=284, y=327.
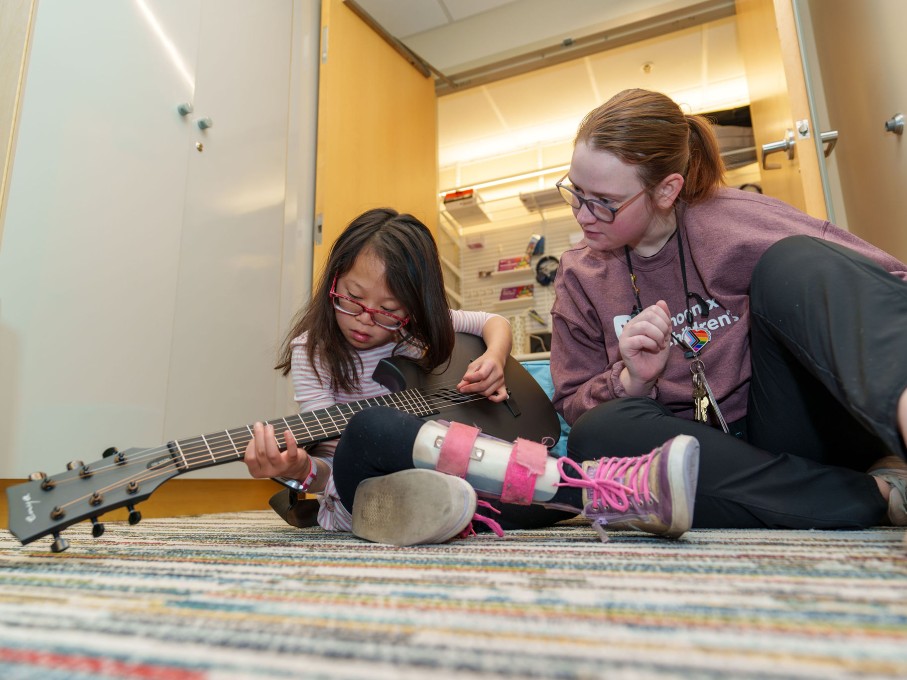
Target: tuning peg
x=118, y=458
x=60, y=544
x=97, y=529
x=37, y=476
x=134, y=515
x=74, y=464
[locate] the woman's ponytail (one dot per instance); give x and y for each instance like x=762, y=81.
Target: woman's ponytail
x=705, y=170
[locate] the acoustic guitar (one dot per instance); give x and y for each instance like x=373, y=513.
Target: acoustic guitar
x=49, y=504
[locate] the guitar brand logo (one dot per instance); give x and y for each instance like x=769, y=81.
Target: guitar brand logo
x=30, y=515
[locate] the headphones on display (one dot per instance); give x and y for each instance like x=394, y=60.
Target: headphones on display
x=546, y=270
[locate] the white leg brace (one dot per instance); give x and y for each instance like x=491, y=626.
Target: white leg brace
x=490, y=462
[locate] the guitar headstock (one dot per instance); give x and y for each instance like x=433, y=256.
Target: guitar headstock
x=49, y=504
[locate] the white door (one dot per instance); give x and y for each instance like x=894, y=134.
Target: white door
x=226, y=326
x=139, y=276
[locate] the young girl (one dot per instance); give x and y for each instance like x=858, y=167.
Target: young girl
x=380, y=295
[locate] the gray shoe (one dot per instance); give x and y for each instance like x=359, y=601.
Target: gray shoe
x=652, y=493
x=897, y=501
x=413, y=507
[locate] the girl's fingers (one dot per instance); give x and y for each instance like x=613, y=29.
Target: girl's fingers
x=263, y=455
x=499, y=394
x=291, y=455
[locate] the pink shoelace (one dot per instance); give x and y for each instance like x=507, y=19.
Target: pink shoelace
x=488, y=521
x=606, y=491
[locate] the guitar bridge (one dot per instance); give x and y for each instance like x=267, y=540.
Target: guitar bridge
x=475, y=454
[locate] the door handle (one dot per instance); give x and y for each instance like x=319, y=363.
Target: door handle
x=787, y=144
x=829, y=137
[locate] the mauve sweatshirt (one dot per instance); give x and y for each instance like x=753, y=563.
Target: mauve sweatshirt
x=723, y=239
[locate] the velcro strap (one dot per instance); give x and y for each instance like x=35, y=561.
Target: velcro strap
x=527, y=462
x=455, y=449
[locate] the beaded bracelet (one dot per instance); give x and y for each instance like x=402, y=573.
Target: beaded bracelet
x=312, y=476
x=295, y=484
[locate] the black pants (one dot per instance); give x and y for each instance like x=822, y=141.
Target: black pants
x=829, y=355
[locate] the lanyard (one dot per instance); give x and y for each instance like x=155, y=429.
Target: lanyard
x=703, y=397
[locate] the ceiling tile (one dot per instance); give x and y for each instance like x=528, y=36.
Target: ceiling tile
x=562, y=92
x=460, y=9
x=723, y=56
x=401, y=19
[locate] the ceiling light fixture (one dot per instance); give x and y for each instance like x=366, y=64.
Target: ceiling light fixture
x=509, y=180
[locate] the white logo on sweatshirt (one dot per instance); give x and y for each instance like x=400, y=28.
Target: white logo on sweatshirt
x=711, y=324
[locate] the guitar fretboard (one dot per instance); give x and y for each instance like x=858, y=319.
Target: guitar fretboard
x=195, y=453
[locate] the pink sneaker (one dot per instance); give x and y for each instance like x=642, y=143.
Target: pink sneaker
x=652, y=493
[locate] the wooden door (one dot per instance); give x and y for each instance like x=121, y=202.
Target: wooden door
x=859, y=56
x=767, y=35
x=377, y=130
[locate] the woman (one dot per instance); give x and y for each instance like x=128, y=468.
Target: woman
x=775, y=339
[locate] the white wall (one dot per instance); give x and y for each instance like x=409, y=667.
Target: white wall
x=144, y=284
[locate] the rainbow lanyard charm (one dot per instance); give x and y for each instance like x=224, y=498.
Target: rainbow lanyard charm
x=692, y=340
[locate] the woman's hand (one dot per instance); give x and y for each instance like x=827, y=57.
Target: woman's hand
x=485, y=376
x=264, y=458
x=644, y=344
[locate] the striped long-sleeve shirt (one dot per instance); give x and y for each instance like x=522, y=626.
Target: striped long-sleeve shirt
x=311, y=394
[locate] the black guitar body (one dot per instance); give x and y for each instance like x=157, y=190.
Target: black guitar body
x=528, y=413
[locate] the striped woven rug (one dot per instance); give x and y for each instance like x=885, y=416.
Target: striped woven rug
x=245, y=596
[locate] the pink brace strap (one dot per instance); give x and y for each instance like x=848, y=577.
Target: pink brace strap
x=455, y=449
x=527, y=462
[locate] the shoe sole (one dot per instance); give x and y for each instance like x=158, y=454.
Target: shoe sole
x=683, y=474
x=412, y=507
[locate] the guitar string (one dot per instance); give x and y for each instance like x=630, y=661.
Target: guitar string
x=324, y=426
x=194, y=450
x=152, y=473
x=194, y=457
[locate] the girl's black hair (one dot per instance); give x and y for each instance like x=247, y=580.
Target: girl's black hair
x=414, y=277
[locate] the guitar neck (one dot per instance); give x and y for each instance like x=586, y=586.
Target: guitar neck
x=311, y=427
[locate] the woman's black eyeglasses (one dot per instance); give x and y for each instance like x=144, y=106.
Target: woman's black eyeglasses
x=596, y=206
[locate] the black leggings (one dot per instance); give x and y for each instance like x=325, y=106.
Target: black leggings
x=379, y=441
x=829, y=355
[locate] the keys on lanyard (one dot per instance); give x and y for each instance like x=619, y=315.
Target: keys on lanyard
x=703, y=396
